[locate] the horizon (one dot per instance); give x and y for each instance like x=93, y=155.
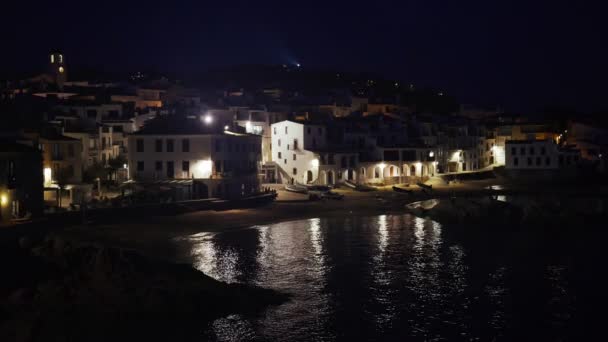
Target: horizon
x=519, y=56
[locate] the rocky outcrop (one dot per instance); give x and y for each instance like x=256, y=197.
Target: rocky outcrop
x=93, y=293
x=466, y=210
x=540, y=212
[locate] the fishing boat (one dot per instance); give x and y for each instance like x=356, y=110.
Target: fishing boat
x=425, y=186
x=401, y=190
x=332, y=195
x=358, y=187
x=301, y=189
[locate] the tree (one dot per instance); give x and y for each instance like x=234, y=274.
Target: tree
x=114, y=164
x=97, y=170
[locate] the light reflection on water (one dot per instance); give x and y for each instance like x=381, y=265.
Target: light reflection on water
x=365, y=278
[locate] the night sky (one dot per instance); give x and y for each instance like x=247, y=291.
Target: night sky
x=521, y=54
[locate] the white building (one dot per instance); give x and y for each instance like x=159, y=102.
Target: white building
x=302, y=152
x=199, y=159
x=538, y=155
x=292, y=150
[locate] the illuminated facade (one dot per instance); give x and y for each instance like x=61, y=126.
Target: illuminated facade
x=21, y=193
x=198, y=155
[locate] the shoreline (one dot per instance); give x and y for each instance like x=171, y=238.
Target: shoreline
x=155, y=235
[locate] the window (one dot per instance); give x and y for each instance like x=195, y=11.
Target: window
x=279, y=155
x=308, y=130
x=515, y=161
x=286, y=129
x=529, y=161
x=294, y=156
x=295, y=171
x=185, y=145
x=279, y=142
x=170, y=170
x=170, y=145
x=543, y=150
x=140, y=166
x=295, y=144
x=186, y=166
x=537, y=161
x=284, y=161
x=314, y=142
x=158, y=165
x=275, y=130
x=158, y=145
x=70, y=170
x=513, y=150
x=531, y=150
x=70, y=150
x=218, y=166
x=522, y=151
x=561, y=160
x=140, y=145
x=547, y=161
x=218, y=146
x=343, y=162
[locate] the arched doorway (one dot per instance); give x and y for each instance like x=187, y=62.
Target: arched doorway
x=377, y=172
x=350, y=174
x=425, y=171
x=330, y=178
x=309, y=176
x=413, y=170
x=391, y=171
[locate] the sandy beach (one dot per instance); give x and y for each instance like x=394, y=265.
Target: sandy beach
x=152, y=235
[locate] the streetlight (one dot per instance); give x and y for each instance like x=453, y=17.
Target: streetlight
x=207, y=119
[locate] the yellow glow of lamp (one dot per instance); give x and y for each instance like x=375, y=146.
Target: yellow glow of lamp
x=3, y=200
x=61, y=69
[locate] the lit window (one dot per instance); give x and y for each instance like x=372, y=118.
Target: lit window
x=61, y=70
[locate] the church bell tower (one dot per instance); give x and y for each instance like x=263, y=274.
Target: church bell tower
x=57, y=68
